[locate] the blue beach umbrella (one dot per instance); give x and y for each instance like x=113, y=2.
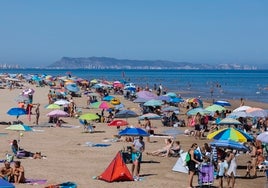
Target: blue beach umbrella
x=108, y=98
x=222, y=103
x=133, y=132
x=16, y=112
x=126, y=114
x=72, y=87
x=229, y=144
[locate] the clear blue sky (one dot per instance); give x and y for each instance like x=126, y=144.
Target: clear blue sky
x=34, y=32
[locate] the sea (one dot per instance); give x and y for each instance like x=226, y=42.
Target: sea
x=206, y=84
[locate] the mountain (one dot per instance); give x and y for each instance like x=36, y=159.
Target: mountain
x=113, y=63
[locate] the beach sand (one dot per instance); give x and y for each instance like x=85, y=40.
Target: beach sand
x=67, y=159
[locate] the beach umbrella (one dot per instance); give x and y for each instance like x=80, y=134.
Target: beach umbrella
x=126, y=114
x=28, y=91
x=229, y=121
x=214, y=108
x=118, y=122
x=222, y=103
x=107, y=98
x=57, y=113
x=171, y=94
x=153, y=102
x=95, y=104
x=105, y=105
x=72, y=87
x=119, y=106
x=170, y=109
x=176, y=100
x=133, y=131
x=93, y=94
x=196, y=100
x=146, y=95
x=19, y=127
x=263, y=137
x=200, y=110
x=230, y=134
x=149, y=116
x=5, y=184
x=163, y=98
x=241, y=108
x=259, y=113
x=230, y=144
x=53, y=106
x=239, y=114
x=140, y=100
x=253, y=109
x=89, y=116
x=61, y=102
x=16, y=112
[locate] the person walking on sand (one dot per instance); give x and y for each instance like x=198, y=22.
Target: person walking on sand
x=148, y=127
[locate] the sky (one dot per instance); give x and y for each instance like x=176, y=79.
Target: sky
x=35, y=33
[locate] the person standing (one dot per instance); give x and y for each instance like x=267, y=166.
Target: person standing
x=231, y=160
x=37, y=113
x=148, y=127
x=192, y=163
x=253, y=155
x=138, y=146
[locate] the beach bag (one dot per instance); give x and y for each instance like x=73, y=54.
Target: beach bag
x=187, y=158
x=9, y=158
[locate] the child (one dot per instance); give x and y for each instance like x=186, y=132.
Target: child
x=222, y=169
x=249, y=167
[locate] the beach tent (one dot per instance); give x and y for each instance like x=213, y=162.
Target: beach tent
x=180, y=165
x=5, y=184
x=116, y=171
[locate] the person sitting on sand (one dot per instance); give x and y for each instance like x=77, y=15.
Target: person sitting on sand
x=18, y=172
x=163, y=152
x=6, y=171
x=175, y=149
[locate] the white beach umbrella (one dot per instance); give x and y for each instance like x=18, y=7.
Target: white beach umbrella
x=241, y=108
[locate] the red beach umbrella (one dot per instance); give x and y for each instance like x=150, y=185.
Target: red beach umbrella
x=118, y=122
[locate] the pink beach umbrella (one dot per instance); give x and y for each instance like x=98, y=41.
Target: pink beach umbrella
x=57, y=113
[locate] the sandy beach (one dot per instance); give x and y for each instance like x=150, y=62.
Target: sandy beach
x=68, y=159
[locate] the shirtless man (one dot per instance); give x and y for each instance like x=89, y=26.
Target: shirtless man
x=6, y=171
x=18, y=172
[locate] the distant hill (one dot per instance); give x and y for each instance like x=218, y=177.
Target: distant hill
x=113, y=63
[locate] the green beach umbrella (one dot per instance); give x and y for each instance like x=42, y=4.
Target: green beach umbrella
x=89, y=116
x=214, y=108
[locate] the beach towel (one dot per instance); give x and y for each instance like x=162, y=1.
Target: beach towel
x=91, y=144
x=35, y=181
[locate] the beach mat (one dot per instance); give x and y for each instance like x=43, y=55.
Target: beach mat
x=35, y=181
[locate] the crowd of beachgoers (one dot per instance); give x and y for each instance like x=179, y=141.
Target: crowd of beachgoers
x=185, y=128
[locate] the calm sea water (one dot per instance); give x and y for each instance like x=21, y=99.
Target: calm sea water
x=225, y=84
